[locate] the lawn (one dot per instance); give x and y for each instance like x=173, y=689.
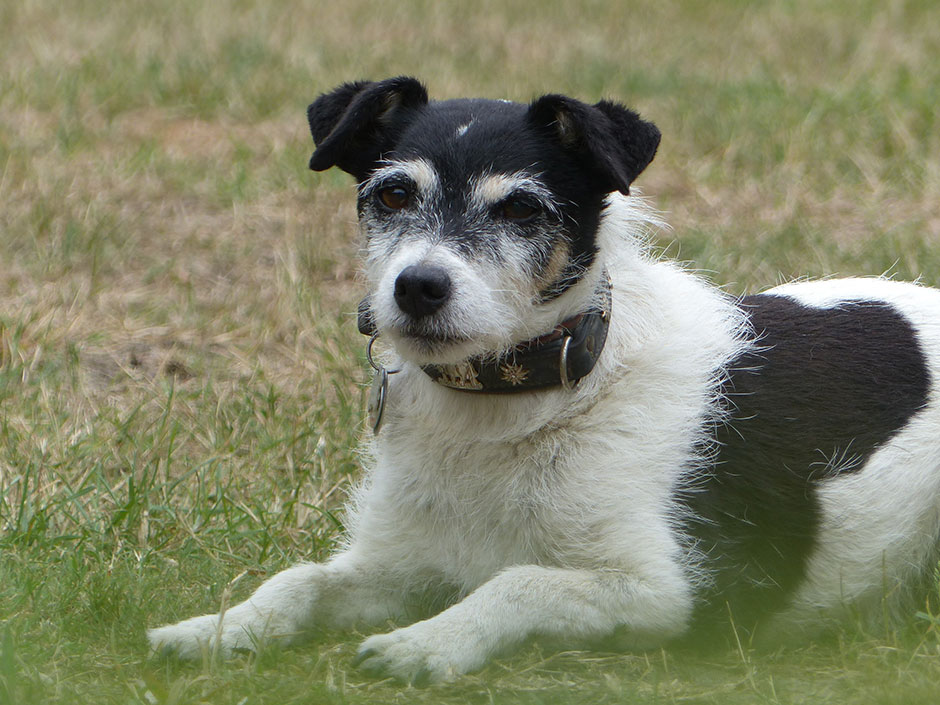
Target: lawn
x=181, y=380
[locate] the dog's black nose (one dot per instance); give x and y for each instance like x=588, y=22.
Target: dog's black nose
x=421, y=289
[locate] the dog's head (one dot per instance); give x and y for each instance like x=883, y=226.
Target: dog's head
x=480, y=215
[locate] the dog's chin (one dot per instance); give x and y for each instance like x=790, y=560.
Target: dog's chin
x=424, y=349
x=429, y=351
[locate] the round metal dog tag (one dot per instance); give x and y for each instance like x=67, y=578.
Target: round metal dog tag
x=377, y=395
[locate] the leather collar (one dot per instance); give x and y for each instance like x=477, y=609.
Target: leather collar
x=561, y=357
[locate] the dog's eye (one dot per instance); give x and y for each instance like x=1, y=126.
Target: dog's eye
x=394, y=198
x=519, y=210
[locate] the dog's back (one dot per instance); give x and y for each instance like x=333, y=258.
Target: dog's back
x=825, y=490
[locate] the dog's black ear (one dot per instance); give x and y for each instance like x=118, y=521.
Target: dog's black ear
x=612, y=140
x=355, y=123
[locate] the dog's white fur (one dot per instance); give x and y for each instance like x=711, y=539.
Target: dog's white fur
x=481, y=494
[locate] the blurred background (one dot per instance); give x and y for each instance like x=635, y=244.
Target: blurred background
x=180, y=375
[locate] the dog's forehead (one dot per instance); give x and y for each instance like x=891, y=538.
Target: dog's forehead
x=463, y=138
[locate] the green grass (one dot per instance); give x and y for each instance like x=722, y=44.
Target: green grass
x=180, y=375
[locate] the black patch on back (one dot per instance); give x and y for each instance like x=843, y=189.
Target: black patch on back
x=822, y=385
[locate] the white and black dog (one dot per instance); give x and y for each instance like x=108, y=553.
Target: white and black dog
x=583, y=441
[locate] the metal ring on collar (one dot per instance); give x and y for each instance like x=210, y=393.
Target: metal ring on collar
x=563, y=364
x=375, y=366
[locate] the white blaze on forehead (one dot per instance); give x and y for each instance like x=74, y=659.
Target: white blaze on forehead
x=490, y=189
x=462, y=130
x=418, y=171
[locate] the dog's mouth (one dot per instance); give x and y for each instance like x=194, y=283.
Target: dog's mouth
x=429, y=344
x=419, y=336
x=423, y=341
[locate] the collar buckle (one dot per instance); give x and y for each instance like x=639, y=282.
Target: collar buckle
x=563, y=365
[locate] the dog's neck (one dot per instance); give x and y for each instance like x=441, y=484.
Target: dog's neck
x=561, y=357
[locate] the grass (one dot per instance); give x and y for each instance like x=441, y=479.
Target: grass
x=180, y=377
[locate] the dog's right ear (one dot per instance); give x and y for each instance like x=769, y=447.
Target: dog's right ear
x=356, y=123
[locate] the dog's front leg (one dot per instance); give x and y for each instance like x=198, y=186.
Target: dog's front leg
x=523, y=601
x=337, y=594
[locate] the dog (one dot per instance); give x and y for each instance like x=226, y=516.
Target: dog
x=577, y=440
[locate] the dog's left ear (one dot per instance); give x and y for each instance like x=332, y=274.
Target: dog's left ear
x=612, y=140
x=354, y=124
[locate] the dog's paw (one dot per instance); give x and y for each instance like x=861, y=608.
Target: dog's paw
x=421, y=654
x=193, y=638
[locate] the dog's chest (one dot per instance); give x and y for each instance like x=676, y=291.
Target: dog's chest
x=475, y=508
